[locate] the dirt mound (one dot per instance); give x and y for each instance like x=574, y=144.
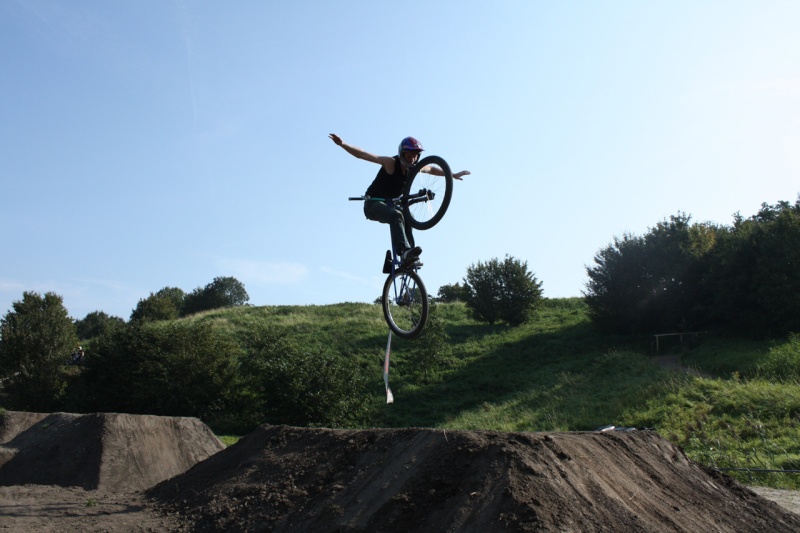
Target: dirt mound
x=84, y=470
x=109, y=451
x=15, y=422
x=291, y=479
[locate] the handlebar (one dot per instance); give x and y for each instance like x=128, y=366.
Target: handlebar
x=423, y=195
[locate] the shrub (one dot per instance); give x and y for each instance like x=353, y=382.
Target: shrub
x=286, y=385
x=783, y=361
x=429, y=350
x=166, y=304
x=222, y=292
x=504, y=291
x=170, y=369
x=451, y=293
x=95, y=324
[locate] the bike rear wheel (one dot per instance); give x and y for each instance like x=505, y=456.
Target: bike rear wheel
x=424, y=214
x=405, y=303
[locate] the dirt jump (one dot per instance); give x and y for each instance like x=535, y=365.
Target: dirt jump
x=88, y=473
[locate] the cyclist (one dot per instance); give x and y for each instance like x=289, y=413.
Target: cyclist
x=389, y=183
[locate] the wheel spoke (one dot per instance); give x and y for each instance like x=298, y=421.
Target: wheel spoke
x=427, y=213
x=405, y=303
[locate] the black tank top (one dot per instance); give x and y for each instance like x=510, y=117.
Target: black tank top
x=387, y=185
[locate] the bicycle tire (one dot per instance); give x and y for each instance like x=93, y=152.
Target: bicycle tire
x=405, y=303
x=425, y=215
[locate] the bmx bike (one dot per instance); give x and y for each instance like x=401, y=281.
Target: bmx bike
x=404, y=298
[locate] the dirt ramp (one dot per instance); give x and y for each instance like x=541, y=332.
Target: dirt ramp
x=291, y=479
x=108, y=451
x=14, y=422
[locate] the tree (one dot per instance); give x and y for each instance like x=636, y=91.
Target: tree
x=754, y=273
x=504, y=291
x=36, y=339
x=684, y=277
x=166, y=304
x=653, y=282
x=95, y=324
x=451, y=293
x=222, y=292
x=776, y=278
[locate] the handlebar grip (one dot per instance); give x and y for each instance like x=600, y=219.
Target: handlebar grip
x=358, y=197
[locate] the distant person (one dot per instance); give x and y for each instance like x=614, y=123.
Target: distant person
x=77, y=356
x=389, y=183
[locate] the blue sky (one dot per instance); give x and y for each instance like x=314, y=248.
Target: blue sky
x=156, y=144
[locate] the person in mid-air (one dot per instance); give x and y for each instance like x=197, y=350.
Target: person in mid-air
x=389, y=183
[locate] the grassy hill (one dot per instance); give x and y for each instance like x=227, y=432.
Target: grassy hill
x=738, y=408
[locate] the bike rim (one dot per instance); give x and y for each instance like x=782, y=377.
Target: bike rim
x=422, y=212
x=404, y=305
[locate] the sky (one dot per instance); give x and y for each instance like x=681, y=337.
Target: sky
x=157, y=143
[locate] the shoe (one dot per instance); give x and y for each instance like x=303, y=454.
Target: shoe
x=411, y=254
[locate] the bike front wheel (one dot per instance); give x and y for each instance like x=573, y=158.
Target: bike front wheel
x=405, y=303
x=425, y=213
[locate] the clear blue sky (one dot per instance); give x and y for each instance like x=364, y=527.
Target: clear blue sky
x=154, y=144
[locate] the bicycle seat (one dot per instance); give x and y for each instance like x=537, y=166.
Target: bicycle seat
x=387, y=263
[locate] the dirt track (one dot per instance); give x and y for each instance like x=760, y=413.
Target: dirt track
x=292, y=479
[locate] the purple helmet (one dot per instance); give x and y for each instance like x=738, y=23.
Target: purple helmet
x=409, y=144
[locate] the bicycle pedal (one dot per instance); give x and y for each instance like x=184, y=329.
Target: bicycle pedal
x=411, y=265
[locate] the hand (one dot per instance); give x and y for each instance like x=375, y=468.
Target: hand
x=336, y=139
x=458, y=175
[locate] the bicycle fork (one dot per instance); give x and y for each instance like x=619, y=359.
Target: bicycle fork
x=404, y=291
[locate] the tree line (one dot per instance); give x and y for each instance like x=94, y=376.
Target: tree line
x=683, y=276
x=154, y=364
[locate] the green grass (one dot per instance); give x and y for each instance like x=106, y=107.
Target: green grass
x=229, y=440
x=557, y=373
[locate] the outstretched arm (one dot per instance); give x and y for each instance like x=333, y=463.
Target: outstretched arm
x=436, y=171
x=355, y=151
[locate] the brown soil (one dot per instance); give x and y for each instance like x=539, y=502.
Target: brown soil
x=282, y=478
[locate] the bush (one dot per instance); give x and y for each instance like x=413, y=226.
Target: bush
x=430, y=349
x=451, y=293
x=36, y=339
x=222, y=292
x=504, y=291
x=169, y=369
x=166, y=304
x=285, y=385
x=95, y=324
x=783, y=361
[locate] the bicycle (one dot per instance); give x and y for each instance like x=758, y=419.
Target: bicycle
x=404, y=298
